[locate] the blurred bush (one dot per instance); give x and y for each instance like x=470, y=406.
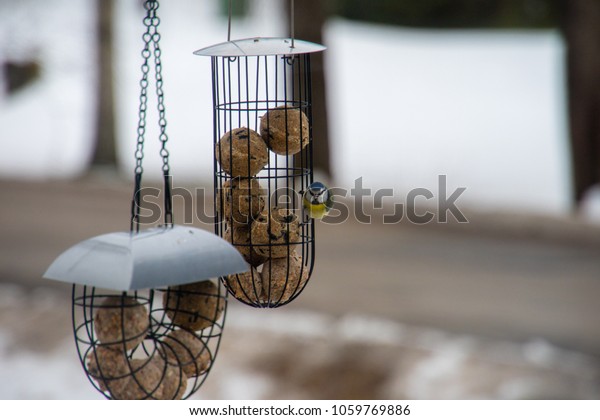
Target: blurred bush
x=452, y=13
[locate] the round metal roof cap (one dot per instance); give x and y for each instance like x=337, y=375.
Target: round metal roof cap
x=156, y=257
x=260, y=46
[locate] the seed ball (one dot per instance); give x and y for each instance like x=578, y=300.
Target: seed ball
x=174, y=380
x=187, y=350
x=194, y=306
x=273, y=130
x=246, y=287
x=239, y=237
x=239, y=148
x=275, y=237
x=121, y=321
x=174, y=383
x=144, y=381
x=109, y=368
x=243, y=199
x=282, y=278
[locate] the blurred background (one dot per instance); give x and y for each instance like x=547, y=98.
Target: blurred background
x=501, y=96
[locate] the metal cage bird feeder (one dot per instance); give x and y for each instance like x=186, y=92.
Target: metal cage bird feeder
x=263, y=150
x=146, y=323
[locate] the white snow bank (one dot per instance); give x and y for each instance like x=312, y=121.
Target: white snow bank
x=485, y=108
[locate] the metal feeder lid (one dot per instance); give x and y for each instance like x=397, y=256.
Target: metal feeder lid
x=260, y=46
x=156, y=257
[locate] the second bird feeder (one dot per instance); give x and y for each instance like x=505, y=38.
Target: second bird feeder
x=147, y=317
x=263, y=161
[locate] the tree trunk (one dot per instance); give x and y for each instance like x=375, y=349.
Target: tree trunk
x=310, y=17
x=582, y=32
x=105, y=141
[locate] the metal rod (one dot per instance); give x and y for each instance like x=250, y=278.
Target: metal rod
x=292, y=21
x=229, y=23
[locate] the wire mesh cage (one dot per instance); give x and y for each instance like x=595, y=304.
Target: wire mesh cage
x=263, y=155
x=150, y=344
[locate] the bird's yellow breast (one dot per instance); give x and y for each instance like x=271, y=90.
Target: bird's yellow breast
x=315, y=211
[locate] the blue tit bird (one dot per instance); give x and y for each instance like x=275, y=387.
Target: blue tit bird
x=317, y=200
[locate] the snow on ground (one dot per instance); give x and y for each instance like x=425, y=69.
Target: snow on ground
x=53, y=375
x=38, y=359
x=312, y=355
x=300, y=354
x=486, y=108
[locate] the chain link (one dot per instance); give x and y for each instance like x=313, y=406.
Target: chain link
x=162, y=122
x=151, y=38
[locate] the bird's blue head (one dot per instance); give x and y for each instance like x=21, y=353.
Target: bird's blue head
x=318, y=193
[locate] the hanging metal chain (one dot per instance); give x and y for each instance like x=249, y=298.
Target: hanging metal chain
x=151, y=38
x=162, y=121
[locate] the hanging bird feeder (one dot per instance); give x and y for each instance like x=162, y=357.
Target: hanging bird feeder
x=147, y=319
x=263, y=162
